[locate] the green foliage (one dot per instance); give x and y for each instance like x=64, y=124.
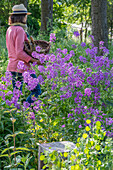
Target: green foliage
x=92, y=151
x=33, y=26
x=47, y=126
x=64, y=11
x=34, y=7
x=34, y=19
x=12, y=139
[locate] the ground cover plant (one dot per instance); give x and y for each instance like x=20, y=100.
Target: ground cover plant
x=75, y=104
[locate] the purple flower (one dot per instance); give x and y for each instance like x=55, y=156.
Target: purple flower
x=9, y=92
x=63, y=126
x=34, y=54
x=18, y=84
x=83, y=59
x=34, y=64
x=8, y=102
x=54, y=86
x=38, y=48
x=8, y=75
x=32, y=115
x=72, y=53
x=40, y=79
x=18, y=106
x=79, y=83
x=64, y=51
x=83, y=44
x=26, y=104
x=88, y=70
x=105, y=50
x=92, y=37
x=80, y=126
x=74, y=46
x=76, y=34
x=52, y=37
x=20, y=65
x=41, y=69
x=77, y=100
x=70, y=115
x=88, y=92
x=101, y=43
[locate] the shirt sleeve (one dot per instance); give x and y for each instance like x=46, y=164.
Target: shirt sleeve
x=19, y=45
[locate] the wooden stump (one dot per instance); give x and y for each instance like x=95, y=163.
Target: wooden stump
x=60, y=147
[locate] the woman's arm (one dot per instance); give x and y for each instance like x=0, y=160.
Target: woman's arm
x=19, y=46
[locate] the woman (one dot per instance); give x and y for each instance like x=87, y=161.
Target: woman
x=15, y=37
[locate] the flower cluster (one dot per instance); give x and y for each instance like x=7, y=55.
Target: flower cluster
x=76, y=34
x=82, y=87
x=52, y=37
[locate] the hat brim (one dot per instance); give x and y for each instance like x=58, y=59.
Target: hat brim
x=17, y=13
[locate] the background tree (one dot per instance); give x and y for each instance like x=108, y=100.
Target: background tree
x=99, y=21
x=46, y=15
x=110, y=18
x=62, y=13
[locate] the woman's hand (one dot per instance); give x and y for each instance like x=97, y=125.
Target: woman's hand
x=37, y=61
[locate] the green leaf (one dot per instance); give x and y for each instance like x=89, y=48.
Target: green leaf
x=27, y=161
x=41, y=124
x=109, y=103
x=22, y=148
x=4, y=155
x=9, y=135
x=2, y=126
x=13, y=153
x=12, y=147
x=19, y=132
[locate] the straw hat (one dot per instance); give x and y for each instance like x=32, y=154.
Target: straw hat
x=19, y=9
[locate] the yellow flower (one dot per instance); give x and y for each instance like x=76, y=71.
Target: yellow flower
x=88, y=121
x=65, y=154
x=92, y=143
x=72, y=158
x=98, y=124
x=87, y=128
x=53, y=158
x=77, y=144
x=41, y=120
x=84, y=135
x=42, y=157
x=104, y=133
x=86, y=151
x=78, y=139
x=75, y=150
x=88, y=156
x=97, y=147
x=72, y=168
x=86, y=163
x=75, y=167
x=99, y=162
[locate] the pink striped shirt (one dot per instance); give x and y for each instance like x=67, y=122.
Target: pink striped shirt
x=15, y=37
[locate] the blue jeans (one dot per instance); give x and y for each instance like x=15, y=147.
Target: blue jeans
x=18, y=77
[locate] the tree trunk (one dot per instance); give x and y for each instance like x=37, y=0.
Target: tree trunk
x=99, y=21
x=112, y=23
x=46, y=15
x=50, y=13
